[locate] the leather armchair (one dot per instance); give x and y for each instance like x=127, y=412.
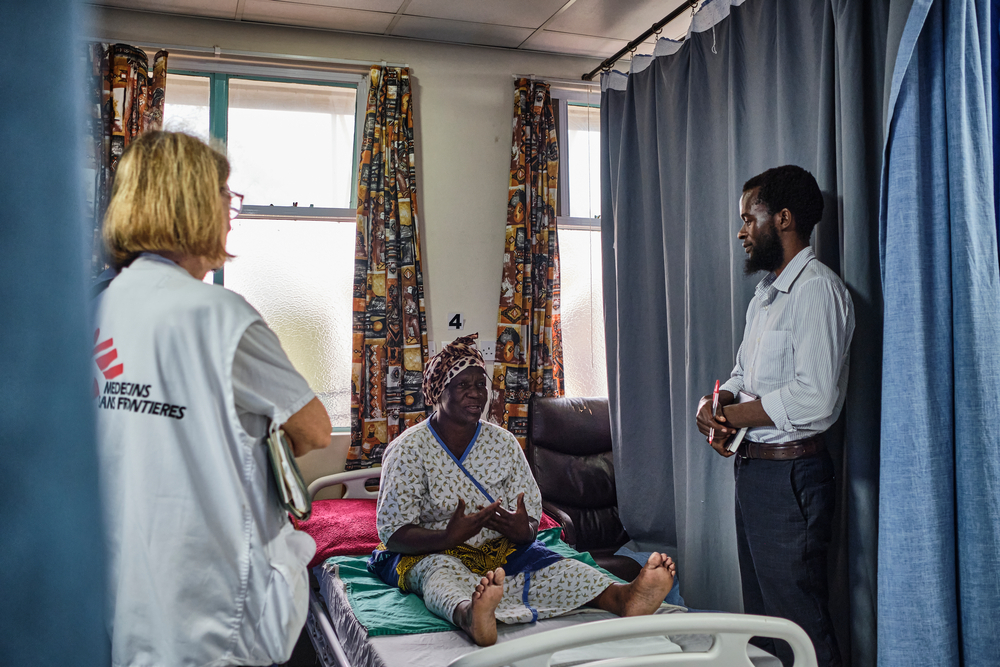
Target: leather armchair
x=569, y=452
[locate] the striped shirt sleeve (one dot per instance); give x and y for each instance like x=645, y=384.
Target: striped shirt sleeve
x=821, y=346
x=734, y=384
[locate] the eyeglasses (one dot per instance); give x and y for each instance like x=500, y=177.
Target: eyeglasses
x=235, y=202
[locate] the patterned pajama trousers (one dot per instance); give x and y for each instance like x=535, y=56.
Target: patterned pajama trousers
x=444, y=582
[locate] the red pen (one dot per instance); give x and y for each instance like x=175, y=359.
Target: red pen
x=715, y=406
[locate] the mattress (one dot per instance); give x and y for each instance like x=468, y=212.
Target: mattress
x=350, y=645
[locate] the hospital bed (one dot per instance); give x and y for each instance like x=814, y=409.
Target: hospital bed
x=671, y=637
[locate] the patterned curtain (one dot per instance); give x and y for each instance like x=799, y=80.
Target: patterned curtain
x=390, y=329
x=529, y=337
x=125, y=101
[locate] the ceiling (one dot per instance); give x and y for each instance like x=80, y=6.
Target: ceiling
x=597, y=28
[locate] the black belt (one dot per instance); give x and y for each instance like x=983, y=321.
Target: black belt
x=785, y=451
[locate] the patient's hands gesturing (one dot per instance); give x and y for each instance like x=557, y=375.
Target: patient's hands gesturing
x=463, y=527
x=516, y=526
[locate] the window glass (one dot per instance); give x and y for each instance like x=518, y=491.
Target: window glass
x=298, y=275
x=583, y=132
x=582, y=312
x=186, y=104
x=291, y=143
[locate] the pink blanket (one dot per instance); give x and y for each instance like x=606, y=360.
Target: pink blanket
x=347, y=528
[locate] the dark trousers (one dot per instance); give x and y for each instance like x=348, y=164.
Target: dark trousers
x=784, y=516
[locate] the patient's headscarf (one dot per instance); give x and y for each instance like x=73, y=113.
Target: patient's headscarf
x=454, y=358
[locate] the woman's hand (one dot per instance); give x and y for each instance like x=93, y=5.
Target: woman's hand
x=416, y=540
x=463, y=527
x=516, y=526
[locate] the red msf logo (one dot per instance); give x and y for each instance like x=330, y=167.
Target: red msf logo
x=105, y=354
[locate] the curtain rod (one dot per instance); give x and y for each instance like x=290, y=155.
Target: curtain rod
x=219, y=51
x=656, y=27
x=547, y=79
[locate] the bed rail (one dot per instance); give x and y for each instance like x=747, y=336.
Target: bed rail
x=731, y=633
x=353, y=481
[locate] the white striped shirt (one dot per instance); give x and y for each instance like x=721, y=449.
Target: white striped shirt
x=796, y=349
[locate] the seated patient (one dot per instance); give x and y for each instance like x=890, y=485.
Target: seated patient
x=458, y=512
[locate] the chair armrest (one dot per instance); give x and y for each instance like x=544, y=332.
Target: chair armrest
x=569, y=531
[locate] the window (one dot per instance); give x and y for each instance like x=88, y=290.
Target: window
x=291, y=143
x=579, y=224
x=583, y=158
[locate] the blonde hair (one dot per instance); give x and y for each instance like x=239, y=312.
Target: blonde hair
x=167, y=196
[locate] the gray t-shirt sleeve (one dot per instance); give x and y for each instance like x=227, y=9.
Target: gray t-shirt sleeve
x=266, y=386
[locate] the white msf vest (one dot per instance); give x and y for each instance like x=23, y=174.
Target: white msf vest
x=204, y=567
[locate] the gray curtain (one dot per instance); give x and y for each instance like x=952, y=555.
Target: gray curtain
x=776, y=82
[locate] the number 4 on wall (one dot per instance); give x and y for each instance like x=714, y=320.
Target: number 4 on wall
x=456, y=321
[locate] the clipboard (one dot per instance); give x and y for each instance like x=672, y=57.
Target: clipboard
x=292, y=492
x=737, y=439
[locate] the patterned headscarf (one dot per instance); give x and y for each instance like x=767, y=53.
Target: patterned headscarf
x=453, y=358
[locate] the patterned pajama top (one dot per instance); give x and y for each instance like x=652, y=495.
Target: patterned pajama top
x=421, y=485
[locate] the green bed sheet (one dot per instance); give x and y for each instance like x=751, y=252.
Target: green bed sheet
x=388, y=611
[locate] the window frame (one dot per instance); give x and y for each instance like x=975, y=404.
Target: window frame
x=562, y=99
x=564, y=96
x=220, y=72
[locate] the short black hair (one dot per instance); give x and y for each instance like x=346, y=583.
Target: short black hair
x=790, y=187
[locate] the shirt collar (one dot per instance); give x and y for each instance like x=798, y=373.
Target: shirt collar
x=160, y=259
x=783, y=283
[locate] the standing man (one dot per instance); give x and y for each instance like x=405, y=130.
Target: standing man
x=794, y=360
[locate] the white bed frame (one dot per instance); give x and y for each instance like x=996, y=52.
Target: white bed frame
x=324, y=638
x=353, y=481
x=730, y=632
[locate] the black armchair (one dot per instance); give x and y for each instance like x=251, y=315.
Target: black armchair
x=569, y=451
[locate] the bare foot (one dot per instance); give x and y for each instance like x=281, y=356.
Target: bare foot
x=642, y=596
x=478, y=616
x=646, y=593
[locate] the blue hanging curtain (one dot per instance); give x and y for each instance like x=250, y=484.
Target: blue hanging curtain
x=939, y=508
x=52, y=550
x=994, y=24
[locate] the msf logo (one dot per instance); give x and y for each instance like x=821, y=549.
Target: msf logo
x=105, y=356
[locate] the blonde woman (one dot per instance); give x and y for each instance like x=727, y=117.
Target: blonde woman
x=205, y=567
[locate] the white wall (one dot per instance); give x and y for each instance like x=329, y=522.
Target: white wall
x=463, y=100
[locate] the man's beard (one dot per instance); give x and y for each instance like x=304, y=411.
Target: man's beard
x=765, y=255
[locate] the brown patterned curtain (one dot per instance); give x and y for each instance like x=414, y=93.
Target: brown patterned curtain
x=125, y=101
x=390, y=328
x=529, y=337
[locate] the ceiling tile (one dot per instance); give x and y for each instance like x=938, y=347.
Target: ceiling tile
x=615, y=19
x=213, y=8
x=316, y=16
x=561, y=42
x=461, y=32
x=522, y=13
x=390, y=6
